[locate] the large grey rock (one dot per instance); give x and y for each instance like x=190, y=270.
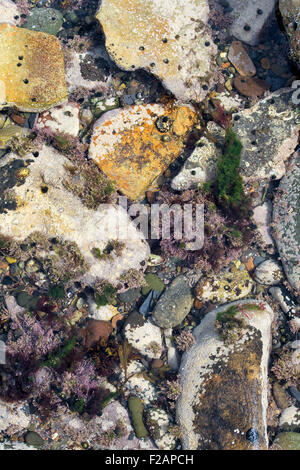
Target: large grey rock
x=174, y=304
x=269, y=134
x=253, y=14
x=287, y=222
x=169, y=38
x=290, y=11
x=225, y=382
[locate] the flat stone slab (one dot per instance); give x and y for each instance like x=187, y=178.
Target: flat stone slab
x=169, y=38
x=134, y=145
x=225, y=383
x=32, y=69
x=286, y=218
x=249, y=18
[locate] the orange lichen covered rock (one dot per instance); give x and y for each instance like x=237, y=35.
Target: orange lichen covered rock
x=32, y=72
x=133, y=146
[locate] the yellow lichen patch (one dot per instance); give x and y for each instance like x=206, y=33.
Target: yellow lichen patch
x=32, y=76
x=135, y=145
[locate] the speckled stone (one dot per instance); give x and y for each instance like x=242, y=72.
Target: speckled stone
x=174, y=304
x=228, y=286
x=290, y=10
x=224, y=396
x=32, y=69
x=269, y=273
x=169, y=38
x=288, y=440
x=269, y=134
x=9, y=12
x=287, y=222
x=143, y=335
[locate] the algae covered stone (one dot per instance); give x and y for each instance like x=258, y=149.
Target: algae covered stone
x=174, y=304
x=169, y=38
x=134, y=145
x=225, y=384
x=288, y=440
x=32, y=69
x=46, y=20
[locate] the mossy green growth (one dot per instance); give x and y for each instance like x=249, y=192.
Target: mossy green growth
x=230, y=190
x=56, y=292
x=106, y=297
x=136, y=409
x=153, y=282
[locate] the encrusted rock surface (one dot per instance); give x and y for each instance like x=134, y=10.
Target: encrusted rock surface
x=224, y=386
x=228, y=286
x=61, y=119
x=45, y=204
x=134, y=145
x=269, y=134
x=32, y=69
x=286, y=220
x=143, y=335
x=169, y=38
x=269, y=272
x=290, y=11
x=13, y=417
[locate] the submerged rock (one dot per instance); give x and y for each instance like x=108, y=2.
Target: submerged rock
x=288, y=440
x=290, y=11
x=46, y=20
x=290, y=419
x=169, y=38
x=240, y=59
x=134, y=145
x=46, y=204
x=249, y=18
x=158, y=422
x=286, y=219
x=32, y=69
x=174, y=304
x=225, y=381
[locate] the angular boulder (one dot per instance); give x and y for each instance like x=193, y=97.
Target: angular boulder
x=134, y=145
x=286, y=218
x=269, y=134
x=169, y=38
x=32, y=69
x=224, y=380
